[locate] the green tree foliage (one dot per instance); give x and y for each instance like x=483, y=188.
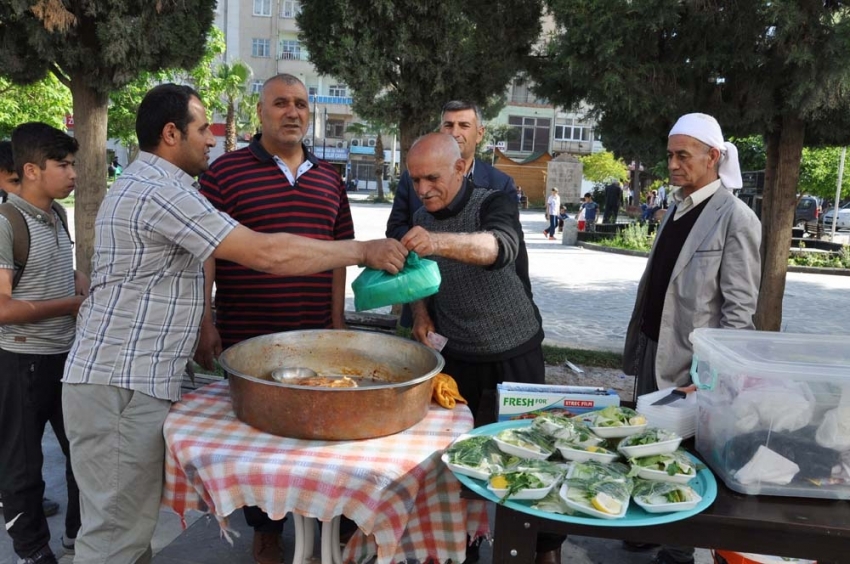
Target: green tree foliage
x=819, y=173
x=405, y=58
x=603, y=167
x=46, y=101
x=94, y=48
x=777, y=69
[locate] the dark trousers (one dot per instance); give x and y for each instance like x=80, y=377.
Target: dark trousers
x=30, y=397
x=258, y=520
x=477, y=381
x=611, y=212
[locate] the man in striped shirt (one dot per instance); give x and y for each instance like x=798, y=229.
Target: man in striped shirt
x=139, y=328
x=36, y=332
x=275, y=185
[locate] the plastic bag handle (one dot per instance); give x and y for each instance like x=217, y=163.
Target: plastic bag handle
x=412, y=259
x=696, y=379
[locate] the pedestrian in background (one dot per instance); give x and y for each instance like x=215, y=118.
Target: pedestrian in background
x=553, y=204
x=613, y=199
x=590, y=208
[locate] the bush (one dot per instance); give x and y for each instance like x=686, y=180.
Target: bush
x=634, y=237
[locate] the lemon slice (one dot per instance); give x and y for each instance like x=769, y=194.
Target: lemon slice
x=606, y=504
x=637, y=420
x=499, y=482
x=593, y=449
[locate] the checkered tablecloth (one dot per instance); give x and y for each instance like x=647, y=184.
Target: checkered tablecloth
x=405, y=501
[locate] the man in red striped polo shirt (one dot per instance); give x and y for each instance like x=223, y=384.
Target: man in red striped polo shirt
x=275, y=184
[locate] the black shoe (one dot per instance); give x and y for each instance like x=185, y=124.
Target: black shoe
x=473, y=552
x=663, y=558
x=43, y=556
x=639, y=546
x=50, y=507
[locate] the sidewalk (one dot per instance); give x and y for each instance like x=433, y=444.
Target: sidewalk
x=585, y=298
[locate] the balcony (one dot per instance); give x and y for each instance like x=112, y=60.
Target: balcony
x=572, y=147
x=325, y=100
x=293, y=56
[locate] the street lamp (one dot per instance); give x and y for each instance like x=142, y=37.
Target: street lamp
x=325, y=136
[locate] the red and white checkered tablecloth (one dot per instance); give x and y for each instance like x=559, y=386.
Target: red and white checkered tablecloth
x=405, y=501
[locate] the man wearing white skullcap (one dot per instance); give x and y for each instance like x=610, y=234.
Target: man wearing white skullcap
x=704, y=268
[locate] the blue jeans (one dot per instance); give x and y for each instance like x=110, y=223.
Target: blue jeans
x=553, y=225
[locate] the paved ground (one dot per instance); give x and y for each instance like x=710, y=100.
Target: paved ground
x=585, y=298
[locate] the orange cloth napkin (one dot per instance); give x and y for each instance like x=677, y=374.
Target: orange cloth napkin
x=444, y=391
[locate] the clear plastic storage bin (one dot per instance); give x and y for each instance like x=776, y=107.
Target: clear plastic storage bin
x=774, y=411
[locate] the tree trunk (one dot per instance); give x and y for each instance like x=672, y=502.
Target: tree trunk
x=230, y=128
x=379, y=165
x=90, y=109
x=409, y=131
x=784, y=152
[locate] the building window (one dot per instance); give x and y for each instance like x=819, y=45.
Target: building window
x=290, y=49
x=335, y=128
x=573, y=131
x=262, y=7
x=313, y=90
x=260, y=48
x=532, y=134
x=256, y=87
x=337, y=90
x=521, y=94
x=289, y=9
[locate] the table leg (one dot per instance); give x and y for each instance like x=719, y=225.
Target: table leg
x=304, y=527
x=515, y=537
x=331, y=554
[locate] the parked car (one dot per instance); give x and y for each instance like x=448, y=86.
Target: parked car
x=843, y=221
x=808, y=210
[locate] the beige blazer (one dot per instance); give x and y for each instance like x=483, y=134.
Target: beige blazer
x=715, y=283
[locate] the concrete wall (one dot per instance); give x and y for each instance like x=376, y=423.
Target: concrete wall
x=565, y=174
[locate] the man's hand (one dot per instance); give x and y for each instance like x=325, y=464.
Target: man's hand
x=384, y=254
x=422, y=323
x=209, y=345
x=81, y=283
x=76, y=301
x=421, y=241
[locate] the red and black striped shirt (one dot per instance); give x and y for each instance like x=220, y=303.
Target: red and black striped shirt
x=249, y=186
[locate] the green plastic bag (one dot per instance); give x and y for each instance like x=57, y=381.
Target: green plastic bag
x=418, y=279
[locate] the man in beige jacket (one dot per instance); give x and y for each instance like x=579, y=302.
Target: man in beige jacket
x=704, y=268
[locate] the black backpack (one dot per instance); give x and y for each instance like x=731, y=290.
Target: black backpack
x=21, y=235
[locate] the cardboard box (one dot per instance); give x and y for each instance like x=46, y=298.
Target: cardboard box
x=522, y=401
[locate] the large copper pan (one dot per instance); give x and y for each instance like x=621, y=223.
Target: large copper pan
x=399, y=373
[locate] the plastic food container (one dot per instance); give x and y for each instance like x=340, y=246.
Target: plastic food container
x=588, y=510
x=525, y=494
x=668, y=507
x=472, y=473
x=661, y=447
x=774, y=411
x=618, y=432
x=580, y=455
x=662, y=476
x=515, y=450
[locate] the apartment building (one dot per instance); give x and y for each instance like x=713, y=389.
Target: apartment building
x=264, y=34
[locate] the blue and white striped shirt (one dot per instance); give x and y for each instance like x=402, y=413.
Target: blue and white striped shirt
x=139, y=326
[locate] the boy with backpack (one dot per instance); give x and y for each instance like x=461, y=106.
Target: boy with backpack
x=40, y=294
